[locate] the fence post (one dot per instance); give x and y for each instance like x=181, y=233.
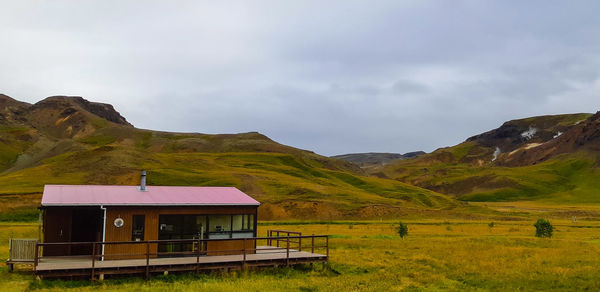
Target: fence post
x=312, y=245
x=277, y=239
x=327, y=245
x=147, y=261
x=93, y=260
x=287, y=257
x=300, y=242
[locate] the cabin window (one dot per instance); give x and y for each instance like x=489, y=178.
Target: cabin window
x=243, y=226
x=179, y=227
x=243, y=222
x=137, y=230
x=219, y=226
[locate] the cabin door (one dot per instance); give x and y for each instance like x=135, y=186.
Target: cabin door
x=57, y=228
x=86, y=227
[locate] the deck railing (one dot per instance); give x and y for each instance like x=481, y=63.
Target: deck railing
x=283, y=236
x=20, y=251
x=317, y=243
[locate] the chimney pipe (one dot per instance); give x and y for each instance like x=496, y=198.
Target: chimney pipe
x=142, y=187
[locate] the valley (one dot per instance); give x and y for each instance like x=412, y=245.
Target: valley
x=469, y=208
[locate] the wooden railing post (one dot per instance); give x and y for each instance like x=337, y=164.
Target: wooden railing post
x=300, y=242
x=244, y=260
x=287, y=251
x=277, y=238
x=327, y=244
x=198, y=255
x=36, y=257
x=312, y=245
x=147, y=261
x=93, y=260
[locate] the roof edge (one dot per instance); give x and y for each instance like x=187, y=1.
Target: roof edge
x=142, y=205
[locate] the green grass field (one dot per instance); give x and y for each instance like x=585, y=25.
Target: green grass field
x=453, y=255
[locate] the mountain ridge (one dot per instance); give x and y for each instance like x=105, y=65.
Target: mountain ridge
x=370, y=159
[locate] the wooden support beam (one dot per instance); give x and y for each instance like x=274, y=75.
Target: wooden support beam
x=93, y=259
x=147, y=261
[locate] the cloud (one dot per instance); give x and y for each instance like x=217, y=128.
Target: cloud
x=333, y=77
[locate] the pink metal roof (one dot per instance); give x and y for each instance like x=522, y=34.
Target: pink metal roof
x=82, y=195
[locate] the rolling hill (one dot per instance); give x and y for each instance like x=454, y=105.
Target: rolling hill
x=69, y=140
x=547, y=158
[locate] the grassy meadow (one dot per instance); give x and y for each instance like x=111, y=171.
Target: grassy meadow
x=451, y=255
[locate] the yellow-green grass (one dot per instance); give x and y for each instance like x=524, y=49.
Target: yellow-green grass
x=19, y=208
x=572, y=178
x=453, y=255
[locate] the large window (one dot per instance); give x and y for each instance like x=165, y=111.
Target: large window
x=231, y=226
x=219, y=226
x=180, y=227
x=243, y=226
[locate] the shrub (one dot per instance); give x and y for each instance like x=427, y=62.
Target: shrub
x=402, y=229
x=491, y=225
x=543, y=228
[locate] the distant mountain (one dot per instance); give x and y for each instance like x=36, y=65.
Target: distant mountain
x=374, y=158
x=69, y=140
x=551, y=158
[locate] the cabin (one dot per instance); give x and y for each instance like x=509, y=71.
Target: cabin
x=108, y=213
x=97, y=230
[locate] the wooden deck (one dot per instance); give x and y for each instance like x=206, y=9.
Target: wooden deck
x=264, y=253
x=265, y=256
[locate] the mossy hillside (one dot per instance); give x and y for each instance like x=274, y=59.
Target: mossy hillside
x=290, y=182
x=551, y=121
x=571, y=178
x=272, y=178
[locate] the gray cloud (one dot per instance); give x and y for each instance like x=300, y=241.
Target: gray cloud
x=328, y=76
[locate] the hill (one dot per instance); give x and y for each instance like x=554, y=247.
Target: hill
x=373, y=158
x=547, y=158
x=69, y=140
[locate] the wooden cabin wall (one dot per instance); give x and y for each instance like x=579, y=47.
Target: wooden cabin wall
x=232, y=247
x=123, y=233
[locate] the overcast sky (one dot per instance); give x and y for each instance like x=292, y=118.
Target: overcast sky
x=328, y=76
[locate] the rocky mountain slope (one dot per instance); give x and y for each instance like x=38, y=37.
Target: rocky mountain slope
x=69, y=140
x=552, y=158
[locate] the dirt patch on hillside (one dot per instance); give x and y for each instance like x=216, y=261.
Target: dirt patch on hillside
x=298, y=210
x=471, y=184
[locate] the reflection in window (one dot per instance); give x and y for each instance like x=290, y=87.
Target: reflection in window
x=243, y=222
x=137, y=230
x=231, y=226
x=220, y=223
